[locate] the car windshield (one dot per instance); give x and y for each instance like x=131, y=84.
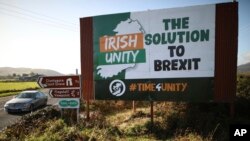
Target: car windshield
x=26, y=95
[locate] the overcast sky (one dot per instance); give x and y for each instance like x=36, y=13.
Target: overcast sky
x=45, y=33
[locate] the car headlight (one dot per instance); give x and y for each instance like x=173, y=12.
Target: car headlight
x=6, y=105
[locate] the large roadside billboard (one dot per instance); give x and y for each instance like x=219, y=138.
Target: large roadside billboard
x=166, y=54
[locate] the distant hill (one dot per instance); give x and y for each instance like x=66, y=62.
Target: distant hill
x=244, y=68
x=4, y=71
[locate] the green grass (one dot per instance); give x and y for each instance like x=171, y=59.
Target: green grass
x=12, y=88
x=9, y=94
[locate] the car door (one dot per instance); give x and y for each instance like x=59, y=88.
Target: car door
x=37, y=100
x=43, y=99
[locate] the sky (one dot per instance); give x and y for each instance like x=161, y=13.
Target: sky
x=45, y=34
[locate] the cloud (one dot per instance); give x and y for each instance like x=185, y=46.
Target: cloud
x=244, y=58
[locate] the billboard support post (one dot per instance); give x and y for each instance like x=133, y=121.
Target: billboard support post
x=152, y=115
x=134, y=107
x=87, y=111
x=78, y=109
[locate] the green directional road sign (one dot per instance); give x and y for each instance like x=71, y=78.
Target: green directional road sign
x=69, y=103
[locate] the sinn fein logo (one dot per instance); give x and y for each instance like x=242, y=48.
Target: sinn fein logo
x=117, y=87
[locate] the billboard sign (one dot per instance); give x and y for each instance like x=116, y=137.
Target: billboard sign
x=166, y=54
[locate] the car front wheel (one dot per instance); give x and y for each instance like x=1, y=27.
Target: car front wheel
x=31, y=108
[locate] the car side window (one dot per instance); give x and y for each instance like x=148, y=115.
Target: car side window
x=38, y=95
x=41, y=94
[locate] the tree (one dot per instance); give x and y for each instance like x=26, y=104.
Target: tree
x=32, y=74
x=14, y=74
x=24, y=75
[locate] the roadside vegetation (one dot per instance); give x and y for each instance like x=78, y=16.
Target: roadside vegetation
x=8, y=88
x=115, y=120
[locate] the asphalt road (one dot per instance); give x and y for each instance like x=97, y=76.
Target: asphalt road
x=8, y=119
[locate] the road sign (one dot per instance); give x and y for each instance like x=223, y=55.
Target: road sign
x=65, y=93
x=69, y=103
x=53, y=82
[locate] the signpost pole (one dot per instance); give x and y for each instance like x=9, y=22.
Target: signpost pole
x=61, y=111
x=78, y=113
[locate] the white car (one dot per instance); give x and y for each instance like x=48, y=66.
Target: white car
x=26, y=101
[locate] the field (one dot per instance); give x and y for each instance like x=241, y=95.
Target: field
x=12, y=88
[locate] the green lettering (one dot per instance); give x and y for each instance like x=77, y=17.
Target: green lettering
x=163, y=39
x=185, y=22
x=156, y=38
x=180, y=34
x=195, y=36
x=148, y=39
x=166, y=21
x=172, y=39
x=176, y=23
x=187, y=36
x=205, y=35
